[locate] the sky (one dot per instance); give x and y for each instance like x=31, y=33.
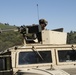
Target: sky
x=58, y=13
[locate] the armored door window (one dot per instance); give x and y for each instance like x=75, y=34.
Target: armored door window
x=5, y=63
x=2, y=65
x=67, y=55
x=35, y=57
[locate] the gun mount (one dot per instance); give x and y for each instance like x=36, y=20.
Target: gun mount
x=29, y=29
x=34, y=32
x=30, y=32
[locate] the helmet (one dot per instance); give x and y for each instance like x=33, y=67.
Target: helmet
x=43, y=21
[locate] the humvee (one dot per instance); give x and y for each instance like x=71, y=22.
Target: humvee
x=50, y=56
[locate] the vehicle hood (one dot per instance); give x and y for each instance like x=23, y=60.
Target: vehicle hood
x=37, y=71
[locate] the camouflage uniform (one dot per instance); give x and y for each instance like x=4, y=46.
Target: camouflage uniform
x=43, y=23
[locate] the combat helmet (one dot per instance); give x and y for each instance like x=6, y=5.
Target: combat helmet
x=43, y=21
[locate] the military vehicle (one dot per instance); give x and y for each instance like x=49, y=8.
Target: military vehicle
x=45, y=52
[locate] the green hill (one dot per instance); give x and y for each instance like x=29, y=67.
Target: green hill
x=10, y=38
x=6, y=26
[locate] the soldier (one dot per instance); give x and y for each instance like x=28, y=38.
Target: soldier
x=43, y=23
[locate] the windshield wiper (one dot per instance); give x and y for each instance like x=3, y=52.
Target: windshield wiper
x=37, y=52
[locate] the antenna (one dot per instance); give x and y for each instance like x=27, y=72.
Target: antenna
x=38, y=12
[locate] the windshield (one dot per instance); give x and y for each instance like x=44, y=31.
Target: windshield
x=67, y=55
x=34, y=58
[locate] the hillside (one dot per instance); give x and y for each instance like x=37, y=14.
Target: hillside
x=10, y=38
x=6, y=26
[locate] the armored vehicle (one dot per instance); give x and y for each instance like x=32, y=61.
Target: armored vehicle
x=45, y=52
